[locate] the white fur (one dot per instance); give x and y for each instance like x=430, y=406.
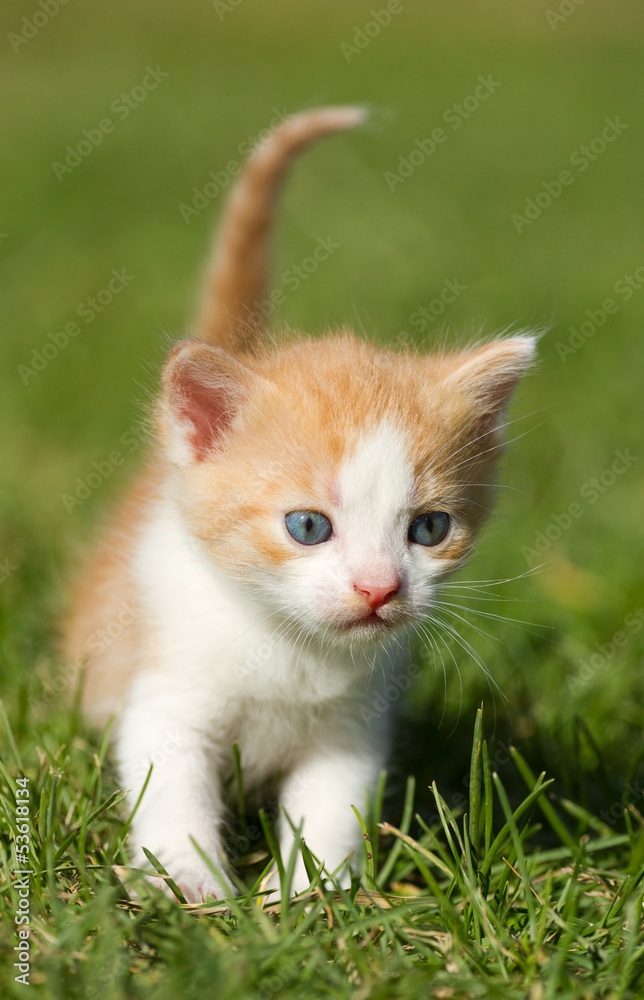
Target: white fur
x=376, y=485
x=230, y=665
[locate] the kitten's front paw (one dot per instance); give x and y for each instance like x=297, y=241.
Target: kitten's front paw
x=194, y=886
x=194, y=880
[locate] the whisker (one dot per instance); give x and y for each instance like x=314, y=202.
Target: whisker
x=497, y=582
x=476, y=628
x=495, y=447
x=492, y=685
x=491, y=598
x=504, y=486
x=485, y=434
x=421, y=629
x=458, y=674
x=490, y=614
x=468, y=648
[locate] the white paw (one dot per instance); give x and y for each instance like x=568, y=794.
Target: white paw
x=194, y=886
x=192, y=877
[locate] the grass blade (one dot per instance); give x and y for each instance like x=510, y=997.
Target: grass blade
x=475, y=781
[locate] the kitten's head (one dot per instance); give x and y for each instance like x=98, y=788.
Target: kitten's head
x=340, y=480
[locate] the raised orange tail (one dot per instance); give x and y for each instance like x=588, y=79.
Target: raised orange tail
x=238, y=275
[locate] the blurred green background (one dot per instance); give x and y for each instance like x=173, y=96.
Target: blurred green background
x=230, y=67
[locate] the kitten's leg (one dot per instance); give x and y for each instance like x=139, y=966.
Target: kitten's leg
x=319, y=793
x=182, y=799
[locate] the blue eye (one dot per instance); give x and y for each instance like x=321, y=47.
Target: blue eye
x=308, y=527
x=429, y=529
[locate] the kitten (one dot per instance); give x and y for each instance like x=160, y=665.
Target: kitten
x=303, y=504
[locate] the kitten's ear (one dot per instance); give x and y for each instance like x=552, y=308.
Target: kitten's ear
x=488, y=376
x=204, y=389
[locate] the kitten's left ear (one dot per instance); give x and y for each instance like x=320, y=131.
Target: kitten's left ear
x=488, y=376
x=204, y=390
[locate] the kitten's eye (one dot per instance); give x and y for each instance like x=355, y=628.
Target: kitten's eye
x=308, y=527
x=429, y=529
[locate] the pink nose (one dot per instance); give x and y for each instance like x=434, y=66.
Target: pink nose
x=376, y=596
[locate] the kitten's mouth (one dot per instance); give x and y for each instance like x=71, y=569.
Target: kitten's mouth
x=370, y=625
x=376, y=624
x=369, y=621
x=373, y=617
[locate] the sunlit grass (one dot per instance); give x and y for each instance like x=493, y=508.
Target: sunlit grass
x=445, y=908
x=471, y=903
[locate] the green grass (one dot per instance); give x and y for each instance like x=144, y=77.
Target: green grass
x=561, y=916
x=466, y=905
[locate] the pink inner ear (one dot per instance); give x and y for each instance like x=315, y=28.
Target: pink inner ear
x=207, y=405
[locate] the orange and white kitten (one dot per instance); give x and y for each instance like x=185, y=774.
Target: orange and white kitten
x=303, y=504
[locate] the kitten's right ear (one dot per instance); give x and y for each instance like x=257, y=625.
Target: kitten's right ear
x=204, y=389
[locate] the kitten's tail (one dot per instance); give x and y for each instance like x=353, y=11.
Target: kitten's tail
x=230, y=316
